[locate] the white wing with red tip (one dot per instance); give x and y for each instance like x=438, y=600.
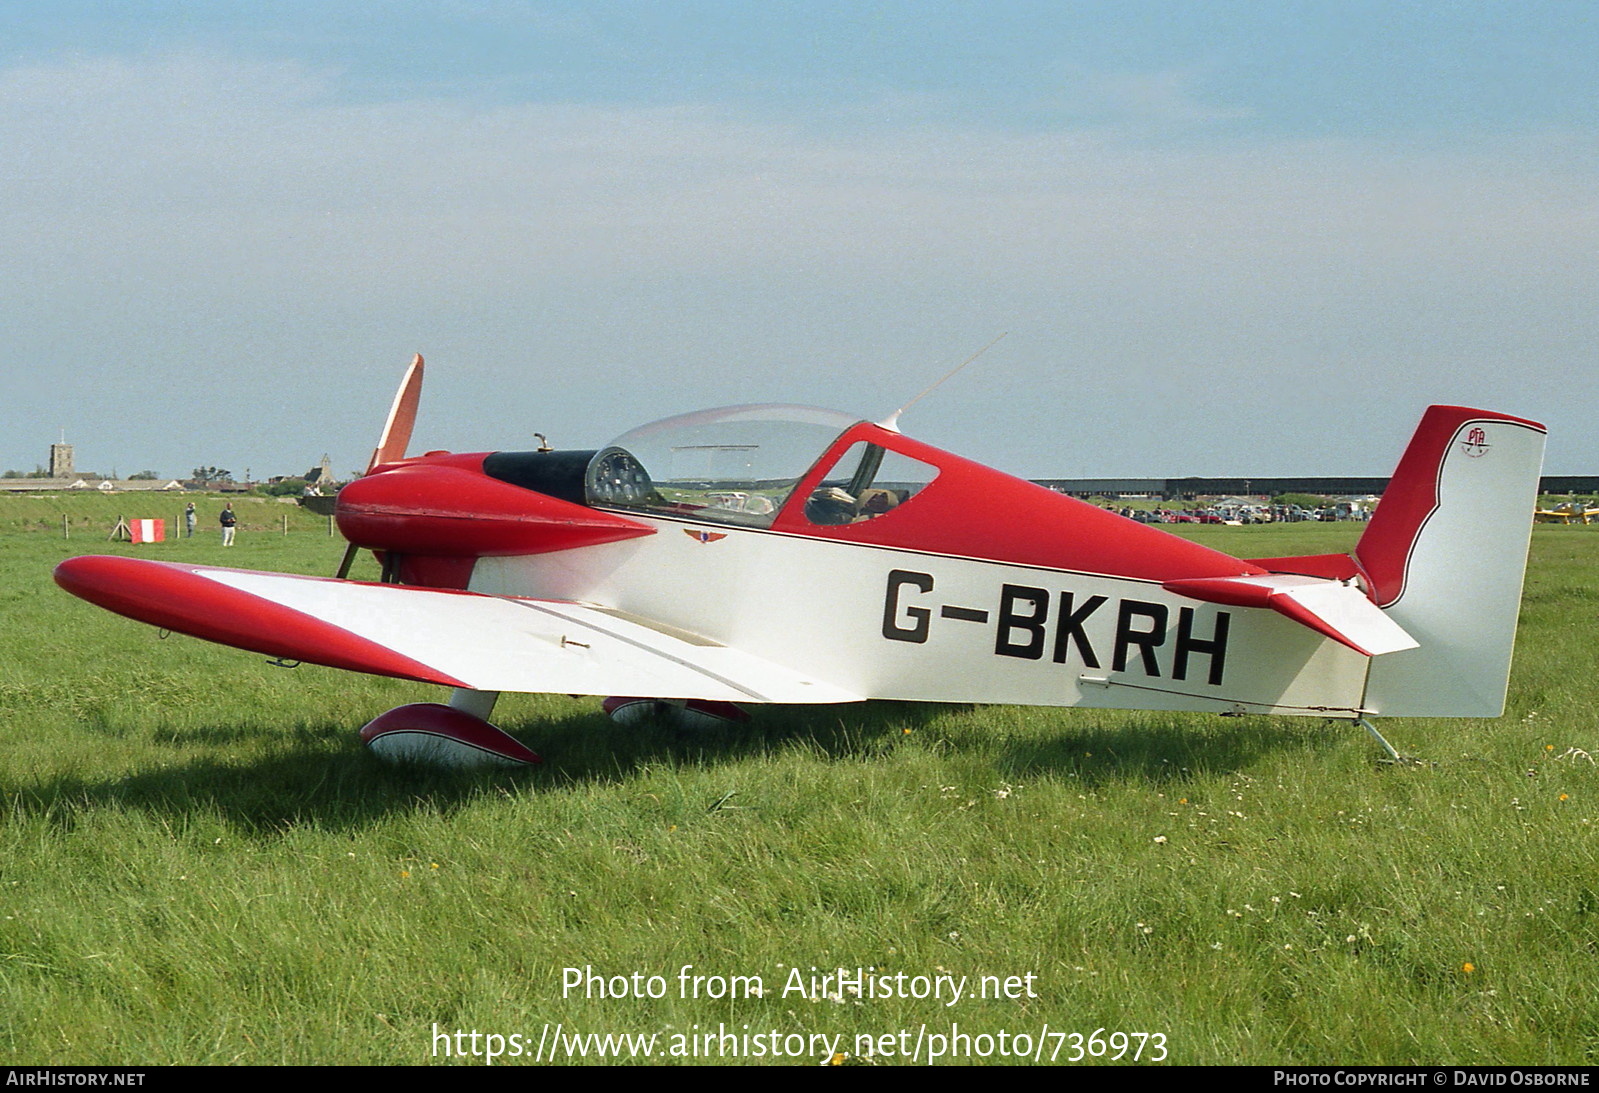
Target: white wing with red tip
x=462, y=639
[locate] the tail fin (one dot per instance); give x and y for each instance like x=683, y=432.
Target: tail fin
x=1446, y=551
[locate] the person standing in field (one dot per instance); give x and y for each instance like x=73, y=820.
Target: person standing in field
x=229, y=522
x=188, y=521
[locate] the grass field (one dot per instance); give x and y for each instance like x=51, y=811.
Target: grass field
x=199, y=863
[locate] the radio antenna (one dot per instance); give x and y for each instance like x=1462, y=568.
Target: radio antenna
x=892, y=420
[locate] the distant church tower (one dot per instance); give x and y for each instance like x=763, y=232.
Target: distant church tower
x=321, y=474
x=61, y=461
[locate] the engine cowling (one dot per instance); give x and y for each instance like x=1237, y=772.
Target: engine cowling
x=446, y=506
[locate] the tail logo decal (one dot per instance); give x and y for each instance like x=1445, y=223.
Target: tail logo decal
x=1476, y=443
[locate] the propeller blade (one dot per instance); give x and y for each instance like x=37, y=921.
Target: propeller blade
x=402, y=417
x=395, y=439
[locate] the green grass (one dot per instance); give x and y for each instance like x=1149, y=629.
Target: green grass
x=200, y=864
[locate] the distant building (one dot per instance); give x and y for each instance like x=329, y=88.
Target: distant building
x=64, y=477
x=1257, y=486
x=61, y=461
x=321, y=474
x=87, y=482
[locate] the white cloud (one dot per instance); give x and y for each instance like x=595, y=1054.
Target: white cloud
x=1137, y=100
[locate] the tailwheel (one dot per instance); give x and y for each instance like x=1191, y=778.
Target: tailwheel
x=1393, y=754
x=690, y=713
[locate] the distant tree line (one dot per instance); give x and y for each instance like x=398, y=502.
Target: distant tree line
x=1303, y=500
x=283, y=487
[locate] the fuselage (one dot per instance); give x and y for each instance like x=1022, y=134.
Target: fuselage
x=884, y=566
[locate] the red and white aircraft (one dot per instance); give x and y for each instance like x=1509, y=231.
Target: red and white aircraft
x=785, y=554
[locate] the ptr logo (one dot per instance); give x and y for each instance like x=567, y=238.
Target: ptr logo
x=1476, y=443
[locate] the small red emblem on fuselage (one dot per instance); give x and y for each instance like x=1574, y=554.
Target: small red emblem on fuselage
x=704, y=536
x=1476, y=442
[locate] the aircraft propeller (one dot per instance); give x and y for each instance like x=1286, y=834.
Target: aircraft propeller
x=395, y=438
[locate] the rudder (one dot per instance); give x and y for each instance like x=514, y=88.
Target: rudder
x=1446, y=552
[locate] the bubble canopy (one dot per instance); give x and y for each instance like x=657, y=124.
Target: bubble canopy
x=734, y=465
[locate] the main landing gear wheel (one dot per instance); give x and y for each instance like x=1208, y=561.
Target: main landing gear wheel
x=691, y=713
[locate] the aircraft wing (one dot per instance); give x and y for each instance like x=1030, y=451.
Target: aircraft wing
x=1338, y=610
x=459, y=639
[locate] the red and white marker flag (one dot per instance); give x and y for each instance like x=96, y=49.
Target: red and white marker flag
x=148, y=531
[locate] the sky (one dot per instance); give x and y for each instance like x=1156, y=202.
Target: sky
x=1220, y=238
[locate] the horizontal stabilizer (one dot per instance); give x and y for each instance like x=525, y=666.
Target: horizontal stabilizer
x=1340, y=611
x=460, y=639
